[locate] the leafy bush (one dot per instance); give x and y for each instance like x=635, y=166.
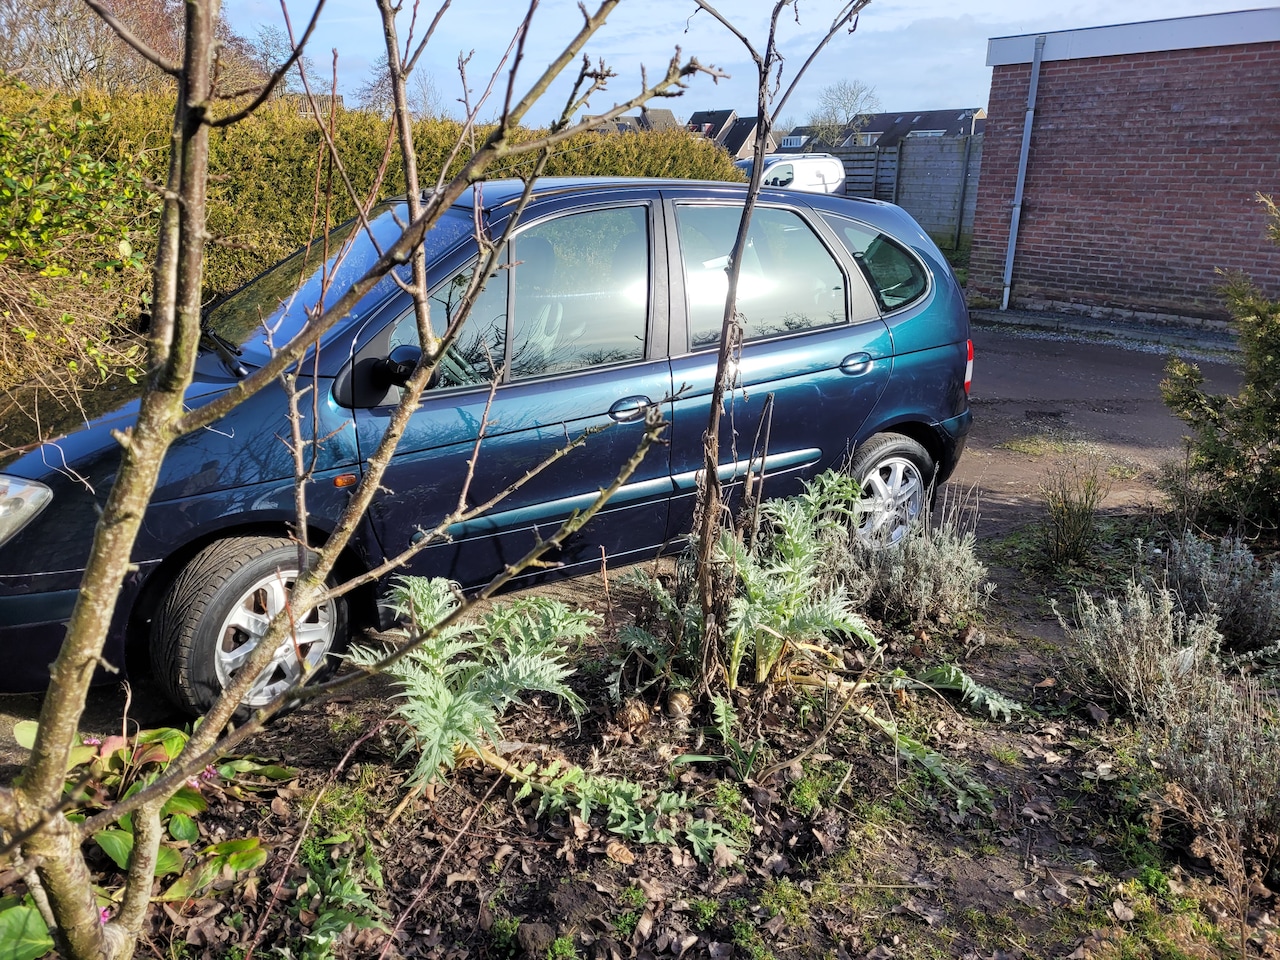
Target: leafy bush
x=1234, y=449
x=72, y=227
x=1143, y=651
x=456, y=685
x=933, y=574
x=79, y=201
x=1228, y=583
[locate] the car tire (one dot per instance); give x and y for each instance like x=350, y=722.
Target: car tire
x=896, y=476
x=217, y=609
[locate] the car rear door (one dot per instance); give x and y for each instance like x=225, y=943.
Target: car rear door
x=567, y=330
x=814, y=360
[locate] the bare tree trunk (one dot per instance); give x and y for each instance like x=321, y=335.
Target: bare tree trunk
x=713, y=596
x=56, y=847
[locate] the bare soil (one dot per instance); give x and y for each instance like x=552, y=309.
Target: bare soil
x=883, y=863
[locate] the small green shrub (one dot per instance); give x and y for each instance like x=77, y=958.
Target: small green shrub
x=1222, y=760
x=1234, y=449
x=1228, y=583
x=1072, y=492
x=1143, y=651
x=562, y=948
x=455, y=686
x=933, y=574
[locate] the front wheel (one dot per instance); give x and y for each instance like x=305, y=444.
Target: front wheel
x=218, y=609
x=896, y=476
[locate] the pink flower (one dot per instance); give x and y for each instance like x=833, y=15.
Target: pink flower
x=91, y=741
x=104, y=915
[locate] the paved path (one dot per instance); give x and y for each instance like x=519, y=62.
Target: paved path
x=1040, y=397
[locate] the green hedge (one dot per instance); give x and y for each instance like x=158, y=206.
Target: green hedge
x=264, y=172
x=79, y=189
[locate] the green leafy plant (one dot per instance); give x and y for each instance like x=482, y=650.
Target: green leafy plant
x=455, y=686
x=786, y=601
x=60, y=206
x=502, y=937
x=562, y=948
x=334, y=892
x=24, y=935
x=950, y=677
x=1233, y=455
x=631, y=811
x=107, y=770
x=782, y=600
x=741, y=760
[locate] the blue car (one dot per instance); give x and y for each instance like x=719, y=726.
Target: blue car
x=855, y=353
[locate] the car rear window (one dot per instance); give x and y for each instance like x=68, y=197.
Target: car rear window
x=896, y=276
x=789, y=280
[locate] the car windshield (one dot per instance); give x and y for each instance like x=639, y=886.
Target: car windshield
x=273, y=309
x=745, y=166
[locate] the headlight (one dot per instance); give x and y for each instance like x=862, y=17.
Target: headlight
x=20, y=501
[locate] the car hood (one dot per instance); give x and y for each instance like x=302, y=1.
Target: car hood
x=35, y=414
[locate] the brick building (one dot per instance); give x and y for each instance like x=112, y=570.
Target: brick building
x=1148, y=144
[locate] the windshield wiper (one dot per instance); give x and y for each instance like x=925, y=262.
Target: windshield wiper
x=225, y=349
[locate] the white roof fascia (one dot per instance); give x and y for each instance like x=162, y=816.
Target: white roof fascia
x=1152, y=36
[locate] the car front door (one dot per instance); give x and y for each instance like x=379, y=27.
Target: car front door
x=814, y=360
x=557, y=349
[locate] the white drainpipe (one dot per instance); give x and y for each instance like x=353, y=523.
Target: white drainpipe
x=1022, y=169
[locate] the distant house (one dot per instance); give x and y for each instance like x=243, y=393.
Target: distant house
x=740, y=139
x=736, y=134
x=650, y=119
x=890, y=129
x=658, y=118
x=712, y=124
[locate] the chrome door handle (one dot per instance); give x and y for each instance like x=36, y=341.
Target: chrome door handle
x=855, y=364
x=629, y=408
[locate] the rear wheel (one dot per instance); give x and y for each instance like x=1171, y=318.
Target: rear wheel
x=896, y=476
x=217, y=611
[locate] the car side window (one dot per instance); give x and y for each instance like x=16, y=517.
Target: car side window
x=582, y=292
x=477, y=354
x=780, y=175
x=581, y=287
x=789, y=280
x=896, y=276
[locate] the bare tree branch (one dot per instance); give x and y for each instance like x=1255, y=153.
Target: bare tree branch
x=129, y=37
x=278, y=74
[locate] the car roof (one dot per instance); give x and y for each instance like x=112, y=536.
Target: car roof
x=495, y=195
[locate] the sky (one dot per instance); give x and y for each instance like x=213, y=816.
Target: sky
x=915, y=54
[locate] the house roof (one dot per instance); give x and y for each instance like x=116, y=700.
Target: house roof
x=711, y=123
x=742, y=130
x=659, y=118
x=895, y=126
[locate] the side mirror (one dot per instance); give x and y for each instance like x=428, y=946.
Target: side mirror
x=395, y=370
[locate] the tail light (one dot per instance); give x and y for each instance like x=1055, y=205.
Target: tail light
x=968, y=370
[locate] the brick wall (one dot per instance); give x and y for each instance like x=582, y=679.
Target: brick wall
x=1141, y=181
